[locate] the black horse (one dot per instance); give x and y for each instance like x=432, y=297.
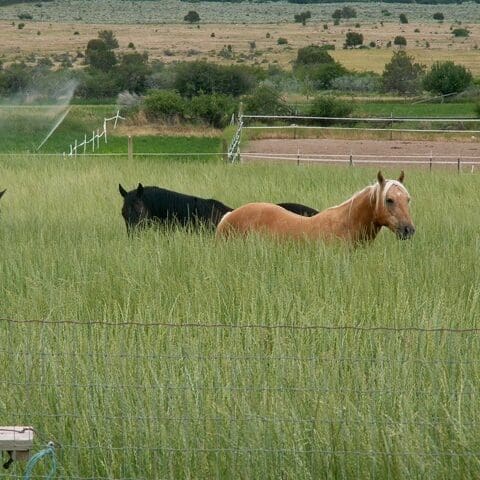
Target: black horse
x=155, y=204
x=299, y=209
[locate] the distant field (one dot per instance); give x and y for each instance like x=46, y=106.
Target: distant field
x=173, y=11
x=174, y=42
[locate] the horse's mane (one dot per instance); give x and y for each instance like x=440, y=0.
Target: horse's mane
x=373, y=192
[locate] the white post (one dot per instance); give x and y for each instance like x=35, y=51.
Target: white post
x=71, y=150
x=93, y=141
x=85, y=144
x=105, y=128
x=116, y=119
x=98, y=138
x=75, y=149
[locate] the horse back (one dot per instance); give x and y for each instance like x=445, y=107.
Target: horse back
x=263, y=217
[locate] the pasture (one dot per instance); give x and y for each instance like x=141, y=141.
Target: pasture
x=181, y=356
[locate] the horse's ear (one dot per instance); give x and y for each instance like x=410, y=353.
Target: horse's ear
x=401, y=178
x=380, y=178
x=1, y=193
x=139, y=190
x=122, y=191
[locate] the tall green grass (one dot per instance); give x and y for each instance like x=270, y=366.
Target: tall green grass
x=147, y=401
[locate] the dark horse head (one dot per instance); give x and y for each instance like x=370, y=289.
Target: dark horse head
x=159, y=205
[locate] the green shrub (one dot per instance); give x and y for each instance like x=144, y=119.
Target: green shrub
x=329, y=106
x=446, y=77
x=98, y=55
x=403, y=18
x=215, y=109
x=166, y=105
x=265, y=100
x=439, y=16
x=460, y=32
x=400, y=41
x=313, y=55
x=195, y=78
x=321, y=76
x=353, y=39
x=282, y=41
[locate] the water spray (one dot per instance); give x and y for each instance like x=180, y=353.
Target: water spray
x=60, y=120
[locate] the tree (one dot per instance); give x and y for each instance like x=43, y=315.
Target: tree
x=348, y=12
x=109, y=38
x=400, y=41
x=266, y=101
x=439, y=16
x=353, y=39
x=402, y=75
x=460, y=32
x=99, y=56
x=446, y=77
x=337, y=14
x=403, y=18
x=302, y=17
x=132, y=72
x=312, y=55
x=192, y=17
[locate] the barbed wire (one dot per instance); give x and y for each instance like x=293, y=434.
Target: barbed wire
x=247, y=326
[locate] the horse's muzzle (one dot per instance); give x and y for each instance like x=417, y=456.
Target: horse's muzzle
x=404, y=232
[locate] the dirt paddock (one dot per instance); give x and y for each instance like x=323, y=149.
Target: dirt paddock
x=368, y=152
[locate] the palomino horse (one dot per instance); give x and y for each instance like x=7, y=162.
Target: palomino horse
x=359, y=219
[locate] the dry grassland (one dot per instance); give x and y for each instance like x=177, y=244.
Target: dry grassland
x=175, y=42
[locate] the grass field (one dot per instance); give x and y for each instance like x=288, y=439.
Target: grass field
x=146, y=401
x=25, y=127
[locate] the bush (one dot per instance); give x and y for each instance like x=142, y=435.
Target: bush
x=402, y=75
x=353, y=39
x=446, y=77
x=20, y=26
x=97, y=84
x=460, y=32
x=321, y=76
x=266, y=101
x=403, y=18
x=195, y=78
x=348, y=12
x=215, y=109
x=166, y=105
x=132, y=72
x=312, y=55
x=302, y=17
x=192, y=17
x=400, y=41
x=25, y=16
x=439, y=16
x=282, y=41
x=329, y=106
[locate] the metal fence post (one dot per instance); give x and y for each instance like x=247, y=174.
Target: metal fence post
x=130, y=147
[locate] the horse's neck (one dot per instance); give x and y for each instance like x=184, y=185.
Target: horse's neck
x=357, y=215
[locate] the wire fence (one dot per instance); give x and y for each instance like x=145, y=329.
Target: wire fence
x=133, y=399
x=94, y=140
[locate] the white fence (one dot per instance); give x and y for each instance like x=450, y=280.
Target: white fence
x=81, y=147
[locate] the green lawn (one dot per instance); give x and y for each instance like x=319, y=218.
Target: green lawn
x=143, y=400
x=380, y=109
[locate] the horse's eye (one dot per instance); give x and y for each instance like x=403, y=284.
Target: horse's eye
x=390, y=201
